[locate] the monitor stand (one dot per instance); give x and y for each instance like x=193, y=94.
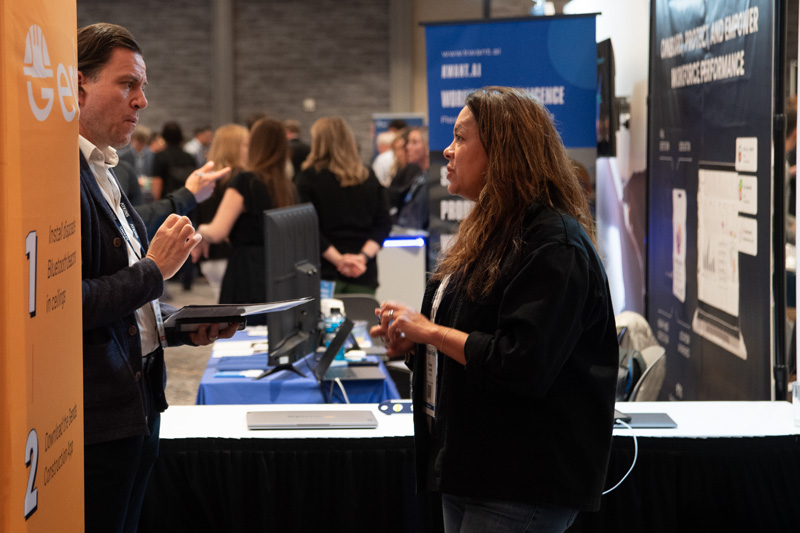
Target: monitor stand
x=279, y=368
x=285, y=349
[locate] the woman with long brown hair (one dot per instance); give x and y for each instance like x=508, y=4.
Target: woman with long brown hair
x=514, y=351
x=351, y=206
x=239, y=218
x=228, y=149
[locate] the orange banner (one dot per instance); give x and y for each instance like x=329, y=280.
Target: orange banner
x=41, y=393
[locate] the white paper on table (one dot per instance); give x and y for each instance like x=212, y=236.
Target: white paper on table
x=237, y=348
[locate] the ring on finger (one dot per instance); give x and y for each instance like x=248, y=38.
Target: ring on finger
x=391, y=313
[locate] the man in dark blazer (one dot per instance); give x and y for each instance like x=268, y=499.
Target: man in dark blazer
x=122, y=277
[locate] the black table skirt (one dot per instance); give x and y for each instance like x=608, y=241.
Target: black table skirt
x=326, y=485
x=685, y=485
x=678, y=485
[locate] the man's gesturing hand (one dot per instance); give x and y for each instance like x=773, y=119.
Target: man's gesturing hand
x=172, y=244
x=201, y=182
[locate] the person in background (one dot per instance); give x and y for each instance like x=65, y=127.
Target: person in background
x=386, y=160
x=228, y=149
x=138, y=153
x=403, y=173
x=383, y=167
x=412, y=197
x=351, y=207
x=298, y=150
x=252, y=118
x=516, y=331
x=157, y=143
x=172, y=165
x=240, y=215
x=198, y=145
x=122, y=277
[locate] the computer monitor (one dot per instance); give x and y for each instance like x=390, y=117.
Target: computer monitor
x=291, y=244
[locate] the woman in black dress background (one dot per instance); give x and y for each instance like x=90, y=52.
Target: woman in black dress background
x=240, y=216
x=351, y=205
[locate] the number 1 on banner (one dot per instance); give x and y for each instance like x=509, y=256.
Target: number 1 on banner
x=30, y=253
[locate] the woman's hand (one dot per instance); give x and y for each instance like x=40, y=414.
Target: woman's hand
x=401, y=327
x=200, y=251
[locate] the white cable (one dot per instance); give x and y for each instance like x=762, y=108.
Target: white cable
x=341, y=387
x=635, y=455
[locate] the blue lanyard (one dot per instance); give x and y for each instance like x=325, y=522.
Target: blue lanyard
x=129, y=219
x=162, y=336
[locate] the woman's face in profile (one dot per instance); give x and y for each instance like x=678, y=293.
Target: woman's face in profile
x=466, y=158
x=416, y=149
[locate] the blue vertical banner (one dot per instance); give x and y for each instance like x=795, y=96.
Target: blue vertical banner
x=710, y=200
x=554, y=59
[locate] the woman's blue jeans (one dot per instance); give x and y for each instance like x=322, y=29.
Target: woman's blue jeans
x=468, y=515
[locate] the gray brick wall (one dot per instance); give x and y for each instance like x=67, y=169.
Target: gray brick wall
x=285, y=51
x=332, y=51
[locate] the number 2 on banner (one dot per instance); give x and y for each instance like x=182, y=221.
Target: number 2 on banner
x=32, y=461
x=30, y=253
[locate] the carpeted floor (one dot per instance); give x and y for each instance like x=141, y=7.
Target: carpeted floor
x=185, y=364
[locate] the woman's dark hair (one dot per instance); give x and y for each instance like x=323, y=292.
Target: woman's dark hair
x=267, y=155
x=527, y=164
x=97, y=42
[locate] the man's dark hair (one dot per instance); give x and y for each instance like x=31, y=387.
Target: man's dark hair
x=252, y=118
x=397, y=124
x=96, y=44
x=172, y=134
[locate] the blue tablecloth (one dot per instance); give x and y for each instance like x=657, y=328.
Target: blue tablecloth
x=219, y=384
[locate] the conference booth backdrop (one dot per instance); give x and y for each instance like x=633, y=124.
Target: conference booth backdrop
x=714, y=251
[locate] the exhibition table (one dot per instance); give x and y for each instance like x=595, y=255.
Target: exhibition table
x=728, y=465
x=228, y=379
x=213, y=474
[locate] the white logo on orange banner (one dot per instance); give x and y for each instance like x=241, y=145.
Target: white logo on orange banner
x=36, y=62
x=37, y=66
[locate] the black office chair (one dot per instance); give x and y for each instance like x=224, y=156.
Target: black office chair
x=648, y=386
x=360, y=307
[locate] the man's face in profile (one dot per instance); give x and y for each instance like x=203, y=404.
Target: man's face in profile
x=110, y=102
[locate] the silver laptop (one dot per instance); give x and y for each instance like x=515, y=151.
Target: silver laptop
x=323, y=370
x=311, y=420
x=644, y=420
